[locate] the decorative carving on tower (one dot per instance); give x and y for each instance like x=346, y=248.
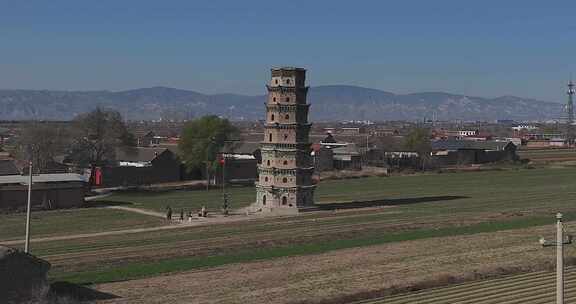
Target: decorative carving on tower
x=285, y=174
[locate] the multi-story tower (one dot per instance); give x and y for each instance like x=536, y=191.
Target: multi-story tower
x=285, y=174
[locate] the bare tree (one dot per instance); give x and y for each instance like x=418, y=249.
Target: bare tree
x=40, y=143
x=388, y=143
x=96, y=136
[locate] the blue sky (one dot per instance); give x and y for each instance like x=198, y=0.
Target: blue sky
x=481, y=48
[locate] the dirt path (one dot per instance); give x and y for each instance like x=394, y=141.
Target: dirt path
x=140, y=211
x=97, y=197
x=342, y=272
x=236, y=216
x=174, y=225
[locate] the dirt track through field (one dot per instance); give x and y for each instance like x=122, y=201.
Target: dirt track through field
x=264, y=236
x=341, y=272
x=90, y=235
x=177, y=225
x=196, y=222
x=140, y=211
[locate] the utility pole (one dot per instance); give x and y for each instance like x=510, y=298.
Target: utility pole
x=223, y=163
x=28, y=209
x=224, y=195
x=560, y=242
x=366, y=154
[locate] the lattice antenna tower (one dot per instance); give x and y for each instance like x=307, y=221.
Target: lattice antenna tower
x=570, y=111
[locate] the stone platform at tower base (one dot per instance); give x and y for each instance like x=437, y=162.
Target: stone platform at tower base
x=258, y=209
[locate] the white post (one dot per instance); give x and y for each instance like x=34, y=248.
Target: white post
x=207, y=177
x=223, y=175
x=28, y=209
x=559, y=261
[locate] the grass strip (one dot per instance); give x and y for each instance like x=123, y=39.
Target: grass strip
x=137, y=270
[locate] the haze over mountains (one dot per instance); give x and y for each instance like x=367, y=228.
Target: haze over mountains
x=329, y=103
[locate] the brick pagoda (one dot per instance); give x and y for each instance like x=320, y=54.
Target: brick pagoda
x=285, y=174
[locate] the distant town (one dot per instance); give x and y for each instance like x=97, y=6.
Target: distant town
x=350, y=147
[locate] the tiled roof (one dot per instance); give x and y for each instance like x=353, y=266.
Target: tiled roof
x=243, y=148
x=453, y=145
x=349, y=149
x=138, y=154
x=42, y=178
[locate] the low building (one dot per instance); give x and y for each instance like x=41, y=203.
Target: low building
x=552, y=142
x=542, y=136
x=323, y=158
x=558, y=143
x=50, y=167
x=352, y=130
x=49, y=191
x=464, y=152
x=384, y=132
x=466, y=133
x=537, y=144
x=402, y=159
x=347, y=157
x=5, y=134
x=8, y=167
x=524, y=128
x=140, y=166
x=146, y=139
x=341, y=155
x=241, y=163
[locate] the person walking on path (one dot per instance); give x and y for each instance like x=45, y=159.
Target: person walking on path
x=202, y=212
x=168, y=214
x=182, y=215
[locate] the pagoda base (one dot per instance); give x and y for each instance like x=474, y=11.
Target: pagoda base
x=257, y=208
x=288, y=200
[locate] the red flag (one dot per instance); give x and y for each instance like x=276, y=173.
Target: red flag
x=98, y=176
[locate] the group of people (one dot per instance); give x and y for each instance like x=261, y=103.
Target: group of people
x=202, y=213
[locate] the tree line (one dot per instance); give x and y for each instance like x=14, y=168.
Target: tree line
x=91, y=140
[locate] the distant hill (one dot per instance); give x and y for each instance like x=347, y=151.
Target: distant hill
x=336, y=102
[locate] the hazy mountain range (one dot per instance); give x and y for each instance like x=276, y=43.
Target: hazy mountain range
x=336, y=102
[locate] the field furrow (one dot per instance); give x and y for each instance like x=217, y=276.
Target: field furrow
x=531, y=288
